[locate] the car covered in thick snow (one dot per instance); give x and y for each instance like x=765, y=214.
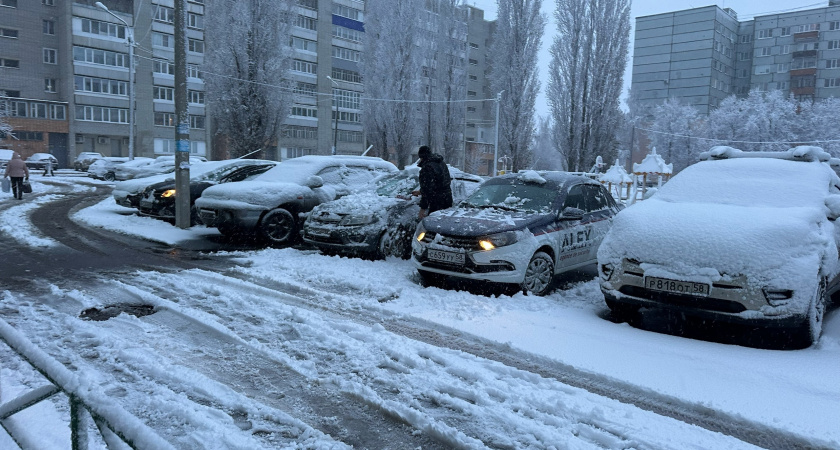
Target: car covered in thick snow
x=85, y=159
x=103, y=169
x=273, y=205
x=739, y=236
x=130, y=193
x=378, y=222
x=146, y=168
x=522, y=229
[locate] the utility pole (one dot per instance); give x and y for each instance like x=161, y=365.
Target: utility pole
x=496, y=148
x=182, y=115
x=335, y=100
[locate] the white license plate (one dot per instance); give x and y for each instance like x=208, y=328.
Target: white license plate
x=208, y=214
x=447, y=257
x=677, y=287
x=318, y=233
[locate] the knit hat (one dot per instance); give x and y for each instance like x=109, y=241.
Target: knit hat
x=424, y=152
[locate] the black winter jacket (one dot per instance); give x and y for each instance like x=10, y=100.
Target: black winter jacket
x=435, y=184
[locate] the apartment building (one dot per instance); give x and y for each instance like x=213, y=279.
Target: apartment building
x=479, y=134
x=65, y=74
x=703, y=55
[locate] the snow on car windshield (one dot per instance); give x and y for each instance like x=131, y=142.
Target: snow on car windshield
x=518, y=197
x=751, y=182
x=395, y=185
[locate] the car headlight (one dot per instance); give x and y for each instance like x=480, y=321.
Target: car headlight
x=420, y=232
x=497, y=240
x=168, y=193
x=351, y=220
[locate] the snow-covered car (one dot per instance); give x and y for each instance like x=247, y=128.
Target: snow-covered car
x=274, y=204
x=522, y=229
x=5, y=156
x=38, y=161
x=158, y=199
x=379, y=222
x=740, y=236
x=85, y=159
x=103, y=169
x=146, y=168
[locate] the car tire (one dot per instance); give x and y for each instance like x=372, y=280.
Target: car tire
x=386, y=245
x=195, y=216
x=430, y=279
x=394, y=243
x=809, y=332
x=279, y=227
x=622, y=312
x=539, y=275
x=109, y=176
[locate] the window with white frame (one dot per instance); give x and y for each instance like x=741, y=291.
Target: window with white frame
x=195, y=97
x=307, y=23
x=103, y=28
x=304, y=111
x=832, y=63
x=348, y=34
x=349, y=76
x=100, y=57
x=297, y=152
x=761, y=69
x=195, y=21
x=50, y=85
x=163, y=40
x=50, y=56
x=304, y=66
x=100, y=85
x=346, y=54
x=164, y=119
x=163, y=14
x=194, y=71
x=764, y=34
x=832, y=82
x=785, y=49
x=835, y=25
x=785, y=31
x=350, y=136
x=196, y=122
x=38, y=110
x=58, y=112
x=304, y=45
x=163, y=93
x=807, y=27
x=765, y=51
x=347, y=99
x=783, y=67
x=48, y=27
x=9, y=3
x=195, y=45
x=167, y=146
x=10, y=63
x=348, y=116
x=300, y=132
x=348, y=12
x=307, y=89
x=89, y=113
x=9, y=33
x=833, y=45
x=745, y=38
x=163, y=67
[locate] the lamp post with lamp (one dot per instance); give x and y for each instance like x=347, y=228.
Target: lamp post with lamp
x=335, y=100
x=130, y=39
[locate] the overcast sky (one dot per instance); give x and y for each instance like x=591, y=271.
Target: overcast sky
x=746, y=9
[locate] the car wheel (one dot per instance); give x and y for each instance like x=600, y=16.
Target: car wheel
x=622, y=312
x=430, y=279
x=539, y=275
x=109, y=176
x=195, y=217
x=279, y=226
x=386, y=245
x=810, y=331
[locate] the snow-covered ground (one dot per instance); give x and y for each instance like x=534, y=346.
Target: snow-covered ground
x=794, y=391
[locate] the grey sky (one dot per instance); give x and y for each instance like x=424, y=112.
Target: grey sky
x=746, y=9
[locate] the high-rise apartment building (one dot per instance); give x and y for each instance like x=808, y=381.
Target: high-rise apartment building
x=703, y=55
x=67, y=81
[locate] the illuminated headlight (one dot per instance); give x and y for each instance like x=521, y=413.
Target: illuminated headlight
x=168, y=193
x=357, y=219
x=777, y=297
x=420, y=233
x=497, y=240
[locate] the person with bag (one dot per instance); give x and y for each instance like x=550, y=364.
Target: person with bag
x=18, y=172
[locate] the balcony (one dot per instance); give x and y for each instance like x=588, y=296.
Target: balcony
x=805, y=54
x=808, y=90
x=803, y=72
x=806, y=36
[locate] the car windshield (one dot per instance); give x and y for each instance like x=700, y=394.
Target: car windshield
x=398, y=184
x=513, y=197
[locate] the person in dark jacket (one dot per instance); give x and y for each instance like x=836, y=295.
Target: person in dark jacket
x=16, y=170
x=435, y=182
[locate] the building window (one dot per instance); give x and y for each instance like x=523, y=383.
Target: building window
x=832, y=45
x=29, y=135
x=346, y=54
x=807, y=27
x=196, y=46
x=347, y=34
x=471, y=94
x=194, y=72
x=832, y=82
x=765, y=51
x=58, y=112
x=50, y=85
x=744, y=56
x=302, y=111
x=164, y=119
x=195, y=21
x=304, y=66
x=48, y=2
x=50, y=56
x=101, y=114
x=473, y=77
x=103, y=28
x=163, y=40
x=764, y=34
x=195, y=97
x=38, y=110
x=304, y=45
x=101, y=57
x=785, y=31
x=10, y=63
x=783, y=67
x=473, y=62
x=470, y=108
x=16, y=108
x=348, y=116
x=473, y=45
x=308, y=4
x=297, y=152
x=832, y=63
x=48, y=27
x=8, y=33
x=348, y=12
x=167, y=146
x=163, y=93
x=163, y=14
x=785, y=49
x=834, y=25
x=307, y=23
x=197, y=122
x=745, y=39
x=300, y=132
x=347, y=99
x=9, y=3
x=100, y=85
x=164, y=67
x=307, y=89
x=350, y=136
x=349, y=76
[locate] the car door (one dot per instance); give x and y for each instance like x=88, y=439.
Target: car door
x=574, y=238
x=600, y=210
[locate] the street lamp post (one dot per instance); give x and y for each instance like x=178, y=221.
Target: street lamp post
x=335, y=100
x=130, y=39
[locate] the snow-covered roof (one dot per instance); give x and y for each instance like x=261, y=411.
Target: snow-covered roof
x=298, y=170
x=653, y=163
x=615, y=175
x=799, y=153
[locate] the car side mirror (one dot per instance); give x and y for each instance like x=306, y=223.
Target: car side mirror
x=832, y=202
x=570, y=213
x=314, y=182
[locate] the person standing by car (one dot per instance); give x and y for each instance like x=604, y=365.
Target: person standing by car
x=48, y=168
x=435, y=182
x=17, y=170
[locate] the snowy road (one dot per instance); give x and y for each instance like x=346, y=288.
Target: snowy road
x=288, y=348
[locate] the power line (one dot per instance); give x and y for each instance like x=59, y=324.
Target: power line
x=816, y=141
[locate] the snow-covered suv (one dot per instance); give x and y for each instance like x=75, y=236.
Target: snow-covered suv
x=741, y=236
x=522, y=229
x=274, y=204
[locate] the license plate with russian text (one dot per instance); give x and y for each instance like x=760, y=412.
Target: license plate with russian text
x=446, y=257
x=676, y=287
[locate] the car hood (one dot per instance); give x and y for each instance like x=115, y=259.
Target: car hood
x=475, y=222
x=362, y=203
x=136, y=186
x=706, y=242
x=261, y=194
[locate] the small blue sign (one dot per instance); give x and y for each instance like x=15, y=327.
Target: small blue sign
x=182, y=145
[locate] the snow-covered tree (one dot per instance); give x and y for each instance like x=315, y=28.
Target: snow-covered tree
x=765, y=121
x=820, y=120
x=675, y=131
x=513, y=57
x=545, y=153
x=5, y=127
x=391, y=71
x=586, y=74
x=246, y=73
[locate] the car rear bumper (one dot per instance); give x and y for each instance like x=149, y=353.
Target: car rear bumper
x=350, y=240
x=227, y=218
